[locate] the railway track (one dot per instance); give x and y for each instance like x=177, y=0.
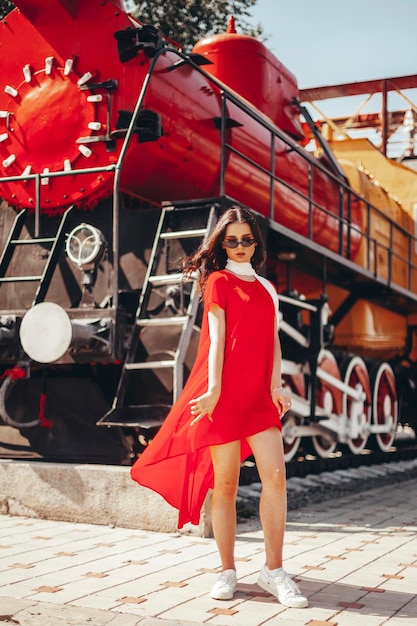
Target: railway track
x=311, y=465
x=307, y=464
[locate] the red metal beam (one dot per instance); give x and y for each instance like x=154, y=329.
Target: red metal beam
x=355, y=89
x=368, y=120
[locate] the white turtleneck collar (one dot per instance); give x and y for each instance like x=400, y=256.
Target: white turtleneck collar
x=243, y=269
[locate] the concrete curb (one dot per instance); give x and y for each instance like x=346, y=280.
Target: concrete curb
x=94, y=494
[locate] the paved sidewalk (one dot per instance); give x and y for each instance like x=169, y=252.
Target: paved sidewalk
x=355, y=557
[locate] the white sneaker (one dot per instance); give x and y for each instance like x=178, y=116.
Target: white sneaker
x=283, y=588
x=225, y=586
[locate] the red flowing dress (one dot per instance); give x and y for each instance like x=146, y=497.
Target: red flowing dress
x=177, y=463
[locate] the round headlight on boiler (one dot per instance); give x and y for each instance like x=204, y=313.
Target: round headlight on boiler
x=85, y=246
x=46, y=332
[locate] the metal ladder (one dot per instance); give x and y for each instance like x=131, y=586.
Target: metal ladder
x=13, y=241
x=152, y=415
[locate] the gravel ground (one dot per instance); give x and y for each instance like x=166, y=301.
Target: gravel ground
x=327, y=485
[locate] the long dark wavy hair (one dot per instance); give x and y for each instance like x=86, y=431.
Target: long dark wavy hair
x=210, y=256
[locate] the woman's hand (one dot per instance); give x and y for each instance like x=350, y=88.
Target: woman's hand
x=203, y=405
x=282, y=400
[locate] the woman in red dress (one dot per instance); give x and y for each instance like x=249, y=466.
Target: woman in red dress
x=230, y=407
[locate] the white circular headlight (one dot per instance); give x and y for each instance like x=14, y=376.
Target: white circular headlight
x=46, y=332
x=85, y=246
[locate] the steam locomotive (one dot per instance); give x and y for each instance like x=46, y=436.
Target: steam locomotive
x=118, y=152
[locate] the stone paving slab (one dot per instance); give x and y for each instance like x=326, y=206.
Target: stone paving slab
x=354, y=556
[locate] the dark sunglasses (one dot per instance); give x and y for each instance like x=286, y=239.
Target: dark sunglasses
x=246, y=242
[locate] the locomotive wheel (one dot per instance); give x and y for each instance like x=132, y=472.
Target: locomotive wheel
x=355, y=374
x=330, y=399
x=292, y=442
x=384, y=404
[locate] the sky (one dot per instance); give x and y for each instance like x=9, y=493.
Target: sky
x=330, y=42
x=327, y=42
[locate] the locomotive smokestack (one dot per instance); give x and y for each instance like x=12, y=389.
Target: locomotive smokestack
x=231, y=30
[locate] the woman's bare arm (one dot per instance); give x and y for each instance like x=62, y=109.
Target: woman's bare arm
x=206, y=403
x=280, y=397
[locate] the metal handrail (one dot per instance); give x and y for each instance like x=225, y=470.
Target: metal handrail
x=346, y=228
x=118, y=171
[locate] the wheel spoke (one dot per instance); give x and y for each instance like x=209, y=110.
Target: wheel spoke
x=384, y=404
x=292, y=442
x=330, y=399
x=358, y=412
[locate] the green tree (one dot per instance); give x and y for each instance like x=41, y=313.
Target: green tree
x=5, y=7
x=187, y=21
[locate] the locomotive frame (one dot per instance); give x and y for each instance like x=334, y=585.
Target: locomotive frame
x=337, y=398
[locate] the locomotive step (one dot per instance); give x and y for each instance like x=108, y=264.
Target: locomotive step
x=169, y=279
x=183, y=234
x=29, y=242
x=176, y=320
x=150, y=365
x=140, y=416
x=20, y=279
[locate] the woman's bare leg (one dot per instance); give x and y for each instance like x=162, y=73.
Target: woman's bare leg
x=226, y=463
x=268, y=450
